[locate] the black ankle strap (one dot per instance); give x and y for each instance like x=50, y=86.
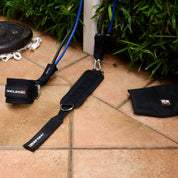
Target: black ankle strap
x=75, y=97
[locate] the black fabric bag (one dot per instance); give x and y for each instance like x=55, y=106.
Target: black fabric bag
x=157, y=101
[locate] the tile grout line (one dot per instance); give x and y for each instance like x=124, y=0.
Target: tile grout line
x=78, y=60
x=50, y=62
x=93, y=148
x=149, y=127
x=22, y=148
x=70, y=169
x=58, y=72
x=44, y=68
x=28, y=59
x=69, y=83
x=11, y=148
x=136, y=120
x=126, y=148
x=104, y=102
x=126, y=100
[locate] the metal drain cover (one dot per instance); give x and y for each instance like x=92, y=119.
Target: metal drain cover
x=13, y=36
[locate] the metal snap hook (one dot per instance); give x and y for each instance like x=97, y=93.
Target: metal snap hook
x=97, y=65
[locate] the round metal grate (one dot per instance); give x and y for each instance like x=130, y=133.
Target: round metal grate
x=13, y=36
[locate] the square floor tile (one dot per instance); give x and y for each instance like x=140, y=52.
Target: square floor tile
x=96, y=124
x=42, y=163
x=19, y=69
x=125, y=163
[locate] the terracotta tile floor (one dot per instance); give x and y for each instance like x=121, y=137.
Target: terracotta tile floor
x=101, y=139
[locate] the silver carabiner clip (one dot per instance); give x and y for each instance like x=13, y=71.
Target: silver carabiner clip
x=97, y=65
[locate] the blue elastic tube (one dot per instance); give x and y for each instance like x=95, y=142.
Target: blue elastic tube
x=112, y=18
x=72, y=34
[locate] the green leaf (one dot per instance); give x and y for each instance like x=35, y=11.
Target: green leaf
x=174, y=26
x=154, y=71
x=8, y=14
x=122, y=50
x=176, y=41
x=158, y=4
x=164, y=36
x=110, y=12
x=144, y=7
x=152, y=64
x=128, y=42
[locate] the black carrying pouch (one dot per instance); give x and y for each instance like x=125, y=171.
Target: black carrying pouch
x=75, y=97
x=156, y=101
x=21, y=91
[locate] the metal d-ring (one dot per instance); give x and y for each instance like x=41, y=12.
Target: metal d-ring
x=38, y=90
x=97, y=65
x=71, y=107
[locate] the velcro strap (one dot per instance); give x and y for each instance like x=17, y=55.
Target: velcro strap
x=20, y=91
x=45, y=132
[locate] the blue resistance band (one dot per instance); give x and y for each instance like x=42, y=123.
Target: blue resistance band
x=72, y=34
x=112, y=18
x=75, y=27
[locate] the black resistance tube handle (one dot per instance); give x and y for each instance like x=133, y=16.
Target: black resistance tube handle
x=48, y=72
x=102, y=43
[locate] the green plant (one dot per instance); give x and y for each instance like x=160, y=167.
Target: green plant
x=55, y=16
x=148, y=32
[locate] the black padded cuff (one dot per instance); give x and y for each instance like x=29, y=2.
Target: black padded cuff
x=21, y=91
x=85, y=85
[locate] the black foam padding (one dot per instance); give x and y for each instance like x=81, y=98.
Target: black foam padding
x=156, y=101
x=20, y=91
x=86, y=84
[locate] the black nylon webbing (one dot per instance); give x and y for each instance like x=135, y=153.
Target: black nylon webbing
x=45, y=132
